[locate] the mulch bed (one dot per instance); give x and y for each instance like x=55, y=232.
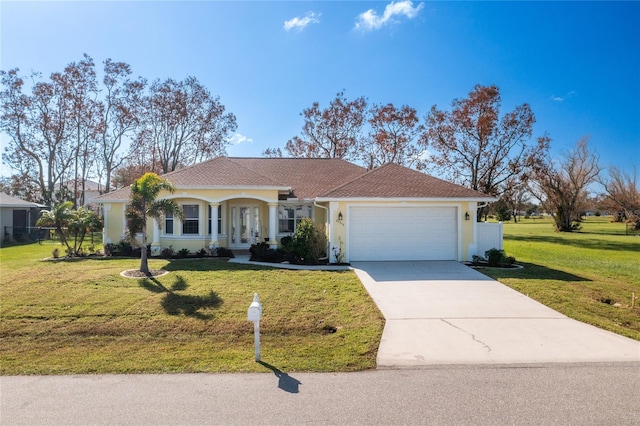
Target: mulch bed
x=135, y=273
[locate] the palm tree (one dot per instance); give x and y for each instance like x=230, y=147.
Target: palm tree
x=83, y=220
x=143, y=205
x=58, y=217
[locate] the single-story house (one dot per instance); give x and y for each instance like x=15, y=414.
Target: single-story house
x=389, y=213
x=18, y=217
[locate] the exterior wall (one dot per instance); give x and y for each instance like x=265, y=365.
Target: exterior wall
x=466, y=228
x=325, y=214
x=115, y=223
x=6, y=219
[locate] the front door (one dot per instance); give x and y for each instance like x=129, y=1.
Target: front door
x=245, y=226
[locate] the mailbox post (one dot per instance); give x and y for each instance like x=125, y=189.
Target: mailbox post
x=254, y=314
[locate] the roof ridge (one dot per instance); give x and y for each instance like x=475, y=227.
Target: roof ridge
x=366, y=172
x=256, y=172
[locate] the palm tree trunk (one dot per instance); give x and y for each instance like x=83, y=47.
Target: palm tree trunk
x=144, y=263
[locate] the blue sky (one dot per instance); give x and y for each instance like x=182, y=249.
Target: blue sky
x=576, y=63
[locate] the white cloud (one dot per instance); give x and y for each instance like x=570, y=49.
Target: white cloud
x=370, y=20
x=555, y=98
x=300, y=23
x=238, y=139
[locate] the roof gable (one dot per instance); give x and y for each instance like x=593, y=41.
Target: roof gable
x=395, y=181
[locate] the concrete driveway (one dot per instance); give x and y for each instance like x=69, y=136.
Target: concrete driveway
x=447, y=313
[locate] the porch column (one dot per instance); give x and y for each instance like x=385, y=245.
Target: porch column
x=214, y=224
x=473, y=247
x=105, y=226
x=273, y=224
x=155, y=244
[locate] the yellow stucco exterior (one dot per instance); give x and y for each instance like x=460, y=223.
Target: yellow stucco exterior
x=247, y=216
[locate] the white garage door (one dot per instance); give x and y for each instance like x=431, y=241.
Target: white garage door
x=402, y=233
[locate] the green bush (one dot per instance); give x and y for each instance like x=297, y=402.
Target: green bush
x=496, y=257
x=309, y=244
x=261, y=252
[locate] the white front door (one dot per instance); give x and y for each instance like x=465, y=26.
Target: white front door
x=245, y=226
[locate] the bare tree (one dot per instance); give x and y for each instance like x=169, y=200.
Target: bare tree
x=393, y=137
x=334, y=132
x=121, y=109
x=84, y=116
x=38, y=126
x=183, y=124
x=622, y=194
x=272, y=153
x=475, y=147
x=562, y=187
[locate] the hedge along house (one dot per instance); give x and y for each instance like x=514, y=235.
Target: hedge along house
x=389, y=213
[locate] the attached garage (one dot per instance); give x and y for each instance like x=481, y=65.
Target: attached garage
x=402, y=233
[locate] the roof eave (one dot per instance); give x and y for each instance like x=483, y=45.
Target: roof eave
x=235, y=187
x=408, y=199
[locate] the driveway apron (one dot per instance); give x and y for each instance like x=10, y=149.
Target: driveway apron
x=440, y=312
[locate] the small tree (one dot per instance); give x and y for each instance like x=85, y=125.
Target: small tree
x=144, y=204
x=58, y=217
x=622, y=195
x=84, y=220
x=562, y=187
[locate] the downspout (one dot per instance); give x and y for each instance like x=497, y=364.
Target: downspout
x=328, y=227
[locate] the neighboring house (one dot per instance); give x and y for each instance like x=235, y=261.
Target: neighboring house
x=18, y=217
x=92, y=190
x=389, y=213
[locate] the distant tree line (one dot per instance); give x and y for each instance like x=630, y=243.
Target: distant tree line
x=72, y=127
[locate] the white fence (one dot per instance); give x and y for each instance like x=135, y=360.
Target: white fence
x=489, y=236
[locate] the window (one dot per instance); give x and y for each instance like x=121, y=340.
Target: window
x=219, y=220
x=168, y=223
x=191, y=223
x=289, y=216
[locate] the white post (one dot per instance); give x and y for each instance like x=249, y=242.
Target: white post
x=273, y=223
x=255, y=314
x=214, y=224
x=256, y=338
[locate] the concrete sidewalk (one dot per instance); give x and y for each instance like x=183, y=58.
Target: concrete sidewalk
x=448, y=313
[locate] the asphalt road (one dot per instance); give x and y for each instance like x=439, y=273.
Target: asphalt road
x=558, y=394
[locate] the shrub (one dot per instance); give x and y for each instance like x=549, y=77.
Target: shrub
x=261, y=252
x=225, y=252
x=182, y=253
x=125, y=248
x=308, y=245
x=168, y=252
x=202, y=252
x=497, y=257
x=286, y=241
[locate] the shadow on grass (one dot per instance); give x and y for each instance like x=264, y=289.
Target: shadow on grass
x=208, y=264
x=531, y=271
x=185, y=304
x=583, y=242
x=285, y=381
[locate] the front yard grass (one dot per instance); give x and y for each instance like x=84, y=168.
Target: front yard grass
x=81, y=316
x=582, y=274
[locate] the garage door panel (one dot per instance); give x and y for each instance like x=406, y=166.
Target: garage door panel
x=402, y=233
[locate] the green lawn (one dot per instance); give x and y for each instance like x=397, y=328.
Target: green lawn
x=69, y=317
x=581, y=274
